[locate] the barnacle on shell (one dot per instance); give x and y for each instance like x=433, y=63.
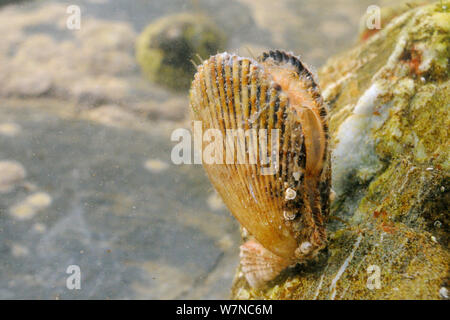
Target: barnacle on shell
x=270, y=115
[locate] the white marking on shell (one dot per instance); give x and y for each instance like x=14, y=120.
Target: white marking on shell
x=297, y=175
x=252, y=193
x=290, y=194
x=305, y=247
x=326, y=92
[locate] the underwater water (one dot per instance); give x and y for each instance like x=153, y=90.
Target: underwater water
x=87, y=181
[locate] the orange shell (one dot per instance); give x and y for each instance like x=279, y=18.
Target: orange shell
x=284, y=209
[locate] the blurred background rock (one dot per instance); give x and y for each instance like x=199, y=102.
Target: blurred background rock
x=166, y=48
x=85, y=144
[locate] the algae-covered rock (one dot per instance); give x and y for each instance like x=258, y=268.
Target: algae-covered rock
x=388, y=231
x=166, y=48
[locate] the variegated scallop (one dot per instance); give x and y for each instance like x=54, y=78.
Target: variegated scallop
x=266, y=110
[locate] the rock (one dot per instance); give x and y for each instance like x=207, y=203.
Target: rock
x=215, y=202
x=31, y=85
x=165, y=48
x=107, y=47
x=94, y=91
x=267, y=14
x=12, y=174
x=9, y=129
x=5, y=2
x=111, y=115
x=114, y=204
x=389, y=99
x=32, y=204
x=18, y=250
x=156, y=165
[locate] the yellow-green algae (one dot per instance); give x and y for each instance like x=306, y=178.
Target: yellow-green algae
x=166, y=48
x=395, y=218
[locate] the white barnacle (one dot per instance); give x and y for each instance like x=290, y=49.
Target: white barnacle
x=305, y=247
x=288, y=215
x=290, y=194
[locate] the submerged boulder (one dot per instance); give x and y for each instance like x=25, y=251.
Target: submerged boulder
x=166, y=48
x=388, y=231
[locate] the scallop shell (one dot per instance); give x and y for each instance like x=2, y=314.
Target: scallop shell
x=282, y=204
x=259, y=264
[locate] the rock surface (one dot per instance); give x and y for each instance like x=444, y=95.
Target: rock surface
x=389, y=98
